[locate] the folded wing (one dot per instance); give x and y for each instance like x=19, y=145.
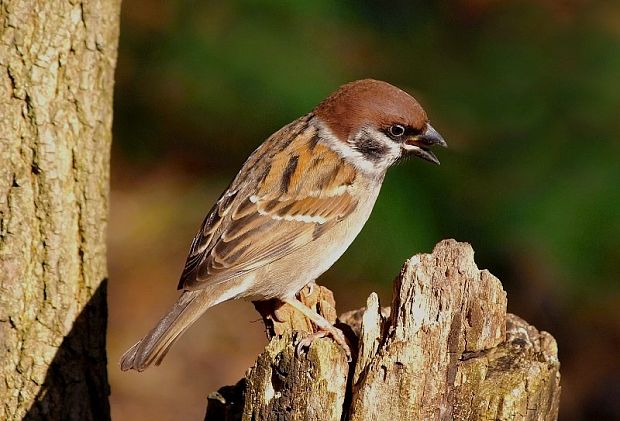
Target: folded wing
x=300, y=192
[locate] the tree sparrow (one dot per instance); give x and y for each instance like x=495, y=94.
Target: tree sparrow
x=294, y=208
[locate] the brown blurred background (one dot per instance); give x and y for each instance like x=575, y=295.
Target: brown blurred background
x=527, y=93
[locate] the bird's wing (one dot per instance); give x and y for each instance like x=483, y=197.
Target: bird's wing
x=299, y=192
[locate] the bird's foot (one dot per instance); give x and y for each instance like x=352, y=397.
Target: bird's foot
x=325, y=328
x=336, y=334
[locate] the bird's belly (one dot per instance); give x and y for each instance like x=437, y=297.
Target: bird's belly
x=286, y=276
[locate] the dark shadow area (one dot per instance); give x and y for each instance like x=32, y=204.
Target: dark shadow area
x=76, y=386
x=227, y=403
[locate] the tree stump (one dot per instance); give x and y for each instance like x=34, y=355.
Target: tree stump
x=446, y=349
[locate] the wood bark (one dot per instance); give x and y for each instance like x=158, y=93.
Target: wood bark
x=57, y=61
x=445, y=350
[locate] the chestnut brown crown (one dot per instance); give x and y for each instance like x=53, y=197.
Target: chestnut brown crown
x=369, y=101
x=380, y=122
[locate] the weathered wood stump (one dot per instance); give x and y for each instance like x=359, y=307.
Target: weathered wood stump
x=446, y=349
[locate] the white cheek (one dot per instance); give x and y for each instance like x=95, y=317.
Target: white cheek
x=348, y=151
x=344, y=149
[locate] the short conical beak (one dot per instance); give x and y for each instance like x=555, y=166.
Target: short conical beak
x=419, y=145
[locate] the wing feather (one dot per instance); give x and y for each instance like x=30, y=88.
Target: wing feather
x=300, y=192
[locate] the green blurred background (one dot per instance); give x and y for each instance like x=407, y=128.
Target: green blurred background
x=527, y=94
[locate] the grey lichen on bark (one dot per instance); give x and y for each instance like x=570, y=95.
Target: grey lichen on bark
x=446, y=349
x=57, y=61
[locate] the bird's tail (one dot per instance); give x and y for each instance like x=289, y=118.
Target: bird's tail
x=156, y=344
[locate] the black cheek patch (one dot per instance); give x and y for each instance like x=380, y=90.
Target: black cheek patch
x=373, y=150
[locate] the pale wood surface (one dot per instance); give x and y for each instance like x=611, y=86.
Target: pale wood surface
x=446, y=349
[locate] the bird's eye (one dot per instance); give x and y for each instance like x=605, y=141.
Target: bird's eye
x=396, y=130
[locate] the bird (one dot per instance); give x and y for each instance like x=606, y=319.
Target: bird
x=296, y=205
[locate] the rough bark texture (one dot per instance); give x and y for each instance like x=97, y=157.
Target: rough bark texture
x=57, y=62
x=446, y=350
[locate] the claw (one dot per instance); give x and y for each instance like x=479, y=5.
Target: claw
x=324, y=327
x=311, y=286
x=305, y=342
x=336, y=334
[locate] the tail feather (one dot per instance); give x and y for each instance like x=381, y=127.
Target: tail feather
x=156, y=344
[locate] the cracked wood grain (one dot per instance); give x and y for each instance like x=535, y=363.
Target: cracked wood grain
x=445, y=350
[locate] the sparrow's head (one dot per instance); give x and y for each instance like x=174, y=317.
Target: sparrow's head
x=378, y=123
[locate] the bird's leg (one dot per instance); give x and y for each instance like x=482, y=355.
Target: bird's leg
x=310, y=287
x=325, y=327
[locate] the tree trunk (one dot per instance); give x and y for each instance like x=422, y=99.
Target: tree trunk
x=445, y=350
x=57, y=62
